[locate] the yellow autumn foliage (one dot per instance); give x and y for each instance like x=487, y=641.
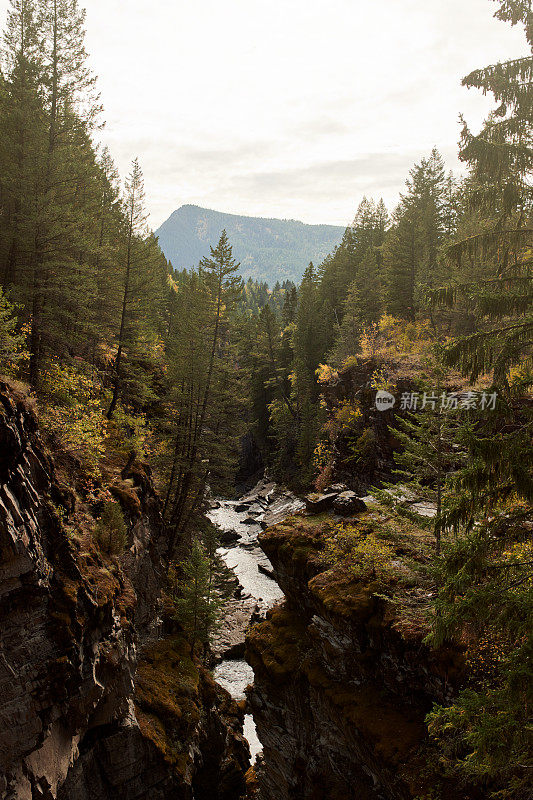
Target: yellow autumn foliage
x=71, y=409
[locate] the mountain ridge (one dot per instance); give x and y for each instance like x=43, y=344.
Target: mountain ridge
x=268, y=249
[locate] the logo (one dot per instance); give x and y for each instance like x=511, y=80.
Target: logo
x=384, y=400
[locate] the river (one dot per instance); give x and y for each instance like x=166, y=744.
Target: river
x=240, y=522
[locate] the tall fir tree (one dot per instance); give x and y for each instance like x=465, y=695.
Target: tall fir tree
x=499, y=245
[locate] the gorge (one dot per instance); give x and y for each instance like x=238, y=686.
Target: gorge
x=266, y=487
x=100, y=699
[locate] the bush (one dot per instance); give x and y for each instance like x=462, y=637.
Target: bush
x=11, y=342
x=486, y=602
x=71, y=409
x=363, y=451
x=360, y=551
x=110, y=533
x=128, y=432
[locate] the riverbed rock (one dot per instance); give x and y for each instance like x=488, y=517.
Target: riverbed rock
x=283, y=504
x=230, y=635
x=347, y=503
x=228, y=537
x=268, y=571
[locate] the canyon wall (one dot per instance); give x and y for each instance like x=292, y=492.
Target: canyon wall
x=343, y=680
x=95, y=702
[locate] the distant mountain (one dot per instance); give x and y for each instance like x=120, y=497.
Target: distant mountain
x=268, y=249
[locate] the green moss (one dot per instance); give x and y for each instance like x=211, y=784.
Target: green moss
x=342, y=595
x=276, y=645
x=378, y=553
x=167, y=698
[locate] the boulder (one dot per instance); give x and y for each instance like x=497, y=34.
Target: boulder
x=347, y=503
x=268, y=571
x=336, y=487
x=228, y=537
x=235, y=652
x=318, y=502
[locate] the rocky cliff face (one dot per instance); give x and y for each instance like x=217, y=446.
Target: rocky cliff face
x=343, y=680
x=79, y=718
x=373, y=432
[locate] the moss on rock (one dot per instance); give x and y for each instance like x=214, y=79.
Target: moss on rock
x=167, y=700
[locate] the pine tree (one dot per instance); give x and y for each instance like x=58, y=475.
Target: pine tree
x=370, y=289
x=133, y=277
x=11, y=340
x=401, y=259
x=290, y=304
x=349, y=332
x=277, y=374
x=411, y=253
x=343, y=267
x=310, y=346
x=429, y=441
x=111, y=530
x=21, y=142
x=499, y=199
x=382, y=223
x=484, y=600
x=206, y=390
x=485, y=595
x=62, y=280
x=197, y=605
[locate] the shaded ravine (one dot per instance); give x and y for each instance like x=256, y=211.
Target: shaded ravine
x=240, y=522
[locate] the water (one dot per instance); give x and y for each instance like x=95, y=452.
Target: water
x=235, y=676
x=266, y=503
x=245, y=556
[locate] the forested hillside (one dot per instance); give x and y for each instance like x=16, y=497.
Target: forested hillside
x=150, y=353
x=267, y=249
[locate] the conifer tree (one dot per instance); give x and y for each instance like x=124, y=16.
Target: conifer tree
x=62, y=231
x=290, y=304
x=205, y=384
x=11, y=341
x=21, y=142
x=486, y=575
x=482, y=735
x=401, y=260
x=429, y=441
x=411, y=253
x=277, y=373
x=197, y=605
x=343, y=267
x=499, y=197
x=132, y=280
x=349, y=332
x=310, y=345
x=370, y=289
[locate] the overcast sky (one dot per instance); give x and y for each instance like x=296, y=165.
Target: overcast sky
x=287, y=108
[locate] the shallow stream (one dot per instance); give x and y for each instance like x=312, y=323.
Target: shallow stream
x=242, y=520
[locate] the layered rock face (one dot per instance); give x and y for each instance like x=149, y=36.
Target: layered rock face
x=77, y=718
x=343, y=680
